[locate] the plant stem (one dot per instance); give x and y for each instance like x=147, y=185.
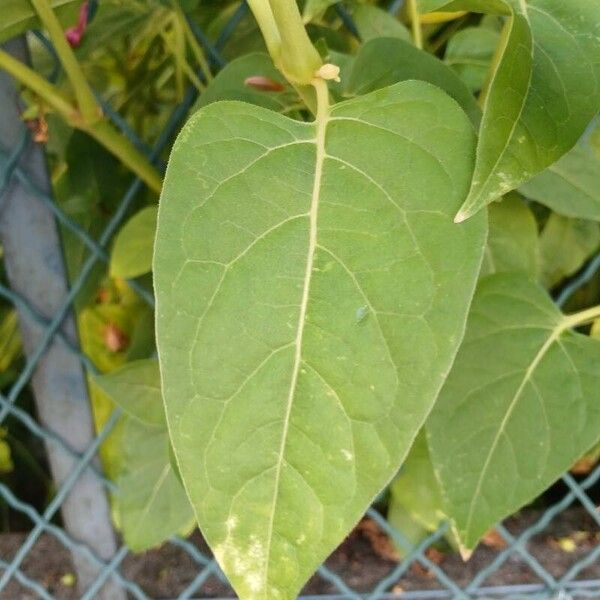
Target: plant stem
x=266, y=22
x=40, y=86
x=197, y=51
x=415, y=22
x=287, y=41
x=583, y=317
x=86, y=102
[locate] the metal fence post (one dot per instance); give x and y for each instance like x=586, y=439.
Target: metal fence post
x=36, y=270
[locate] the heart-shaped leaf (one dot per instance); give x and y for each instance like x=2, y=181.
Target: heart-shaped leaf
x=311, y=294
x=544, y=90
x=521, y=404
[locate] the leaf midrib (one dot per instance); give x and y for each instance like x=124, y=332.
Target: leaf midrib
x=556, y=333
x=320, y=123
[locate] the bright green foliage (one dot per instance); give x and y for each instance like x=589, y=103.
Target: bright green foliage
x=545, y=90
x=512, y=244
x=18, y=16
x=385, y=61
x=521, y=404
x=132, y=252
x=135, y=387
x=571, y=186
x=309, y=303
x=313, y=8
x=151, y=501
x=470, y=53
x=565, y=245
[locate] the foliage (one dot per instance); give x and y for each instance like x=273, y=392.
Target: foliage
x=322, y=247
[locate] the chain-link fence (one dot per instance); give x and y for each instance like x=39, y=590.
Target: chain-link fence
x=55, y=369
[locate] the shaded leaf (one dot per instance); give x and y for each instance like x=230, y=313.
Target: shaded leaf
x=512, y=244
x=373, y=22
x=229, y=84
x=131, y=255
x=521, y=404
x=571, y=186
x=151, y=501
x=309, y=305
x=565, y=245
x=385, y=61
x=469, y=54
x=135, y=387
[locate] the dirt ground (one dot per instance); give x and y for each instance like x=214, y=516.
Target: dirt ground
x=362, y=560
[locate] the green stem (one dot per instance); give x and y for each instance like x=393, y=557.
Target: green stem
x=289, y=45
x=197, y=51
x=415, y=21
x=90, y=111
x=40, y=86
x=268, y=27
x=583, y=317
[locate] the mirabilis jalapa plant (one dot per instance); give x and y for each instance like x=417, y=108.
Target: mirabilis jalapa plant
x=315, y=281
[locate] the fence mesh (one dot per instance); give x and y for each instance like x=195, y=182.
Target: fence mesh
x=508, y=564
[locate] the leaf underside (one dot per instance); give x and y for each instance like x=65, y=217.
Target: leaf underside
x=521, y=404
x=311, y=293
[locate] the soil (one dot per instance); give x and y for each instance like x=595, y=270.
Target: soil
x=362, y=560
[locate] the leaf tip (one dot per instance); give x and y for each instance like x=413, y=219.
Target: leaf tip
x=461, y=216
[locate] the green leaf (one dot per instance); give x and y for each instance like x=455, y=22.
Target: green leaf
x=132, y=251
x=571, y=186
x=309, y=303
x=373, y=22
x=385, y=61
x=545, y=89
x=135, y=387
x=11, y=345
x=512, y=240
x=151, y=501
x=469, y=54
x=565, y=246
x=416, y=487
x=521, y=404
x=229, y=84
x=18, y=16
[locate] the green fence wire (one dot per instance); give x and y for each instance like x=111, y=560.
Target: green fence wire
x=568, y=585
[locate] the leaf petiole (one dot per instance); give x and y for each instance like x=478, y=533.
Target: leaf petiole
x=582, y=318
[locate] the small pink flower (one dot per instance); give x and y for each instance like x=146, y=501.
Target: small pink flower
x=74, y=35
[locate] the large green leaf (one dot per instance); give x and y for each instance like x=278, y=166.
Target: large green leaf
x=385, y=61
x=135, y=387
x=512, y=244
x=311, y=295
x=521, y=404
x=151, y=501
x=544, y=91
x=18, y=16
x=571, y=186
